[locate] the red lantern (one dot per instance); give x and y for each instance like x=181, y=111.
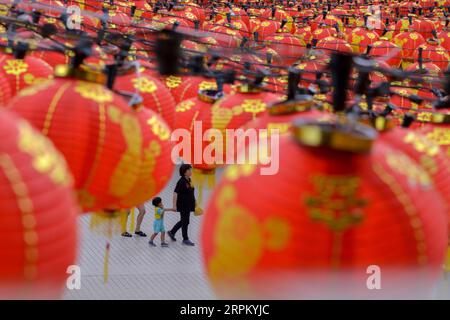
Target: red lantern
x=25, y=72
x=434, y=53
x=54, y=57
x=386, y=51
x=155, y=95
x=266, y=28
x=408, y=42
x=37, y=214
x=197, y=109
x=107, y=145
x=235, y=110
x=444, y=39
x=332, y=44
x=287, y=46
x=354, y=206
x=360, y=38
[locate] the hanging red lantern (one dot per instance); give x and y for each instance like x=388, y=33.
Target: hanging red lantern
x=281, y=114
x=423, y=150
x=333, y=44
x=266, y=28
x=37, y=214
x=287, y=46
x=155, y=95
x=334, y=222
x=226, y=37
x=101, y=137
x=434, y=53
x=408, y=42
x=386, y=51
x=444, y=39
x=436, y=127
x=360, y=38
x=23, y=71
x=197, y=109
x=322, y=33
x=51, y=53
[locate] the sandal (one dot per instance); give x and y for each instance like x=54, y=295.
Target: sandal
x=126, y=234
x=140, y=233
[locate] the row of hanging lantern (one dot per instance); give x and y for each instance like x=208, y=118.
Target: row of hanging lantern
x=344, y=196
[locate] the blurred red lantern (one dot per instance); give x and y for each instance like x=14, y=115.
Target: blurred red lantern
x=280, y=115
x=436, y=127
x=235, y=110
x=198, y=109
x=54, y=55
x=225, y=36
x=37, y=214
x=360, y=38
x=266, y=28
x=333, y=44
x=444, y=39
x=23, y=72
x=287, y=46
x=106, y=143
x=408, y=42
x=434, y=53
x=155, y=95
x=322, y=33
x=386, y=51
x=333, y=222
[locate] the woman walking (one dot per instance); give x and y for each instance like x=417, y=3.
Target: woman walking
x=184, y=202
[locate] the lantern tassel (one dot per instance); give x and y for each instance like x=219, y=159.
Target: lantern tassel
x=106, y=262
x=204, y=179
x=132, y=223
x=107, y=223
x=447, y=261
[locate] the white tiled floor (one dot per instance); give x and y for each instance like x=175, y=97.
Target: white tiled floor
x=137, y=271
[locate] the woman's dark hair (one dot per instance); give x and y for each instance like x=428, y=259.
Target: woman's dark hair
x=183, y=168
x=156, y=201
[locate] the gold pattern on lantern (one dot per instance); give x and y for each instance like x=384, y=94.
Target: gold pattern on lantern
x=235, y=172
x=43, y=159
x=336, y=202
x=253, y=106
x=15, y=67
x=440, y=135
x=173, y=82
x=144, y=84
x=32, y=90
x=422, y=144
x=184, y=106
x=239, y=249
x=126, y=172
x=93, y=91
x=404, y=165
x=221, y=117
x=159, y=128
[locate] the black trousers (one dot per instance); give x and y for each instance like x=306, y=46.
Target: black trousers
x=183, y=224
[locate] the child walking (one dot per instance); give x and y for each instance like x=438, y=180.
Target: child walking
x=158, y=224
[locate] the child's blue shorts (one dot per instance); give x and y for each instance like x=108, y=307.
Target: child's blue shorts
x=158, y=226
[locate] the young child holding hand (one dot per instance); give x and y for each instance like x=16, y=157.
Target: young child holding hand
x=158, y=224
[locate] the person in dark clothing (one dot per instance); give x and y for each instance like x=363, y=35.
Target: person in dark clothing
x=184, y=202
